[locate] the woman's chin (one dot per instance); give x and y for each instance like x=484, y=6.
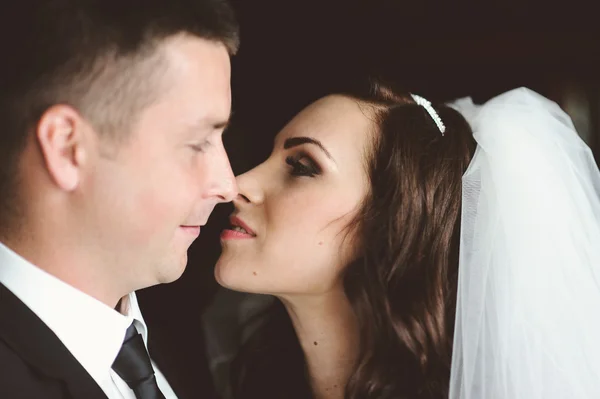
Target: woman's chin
x=220, y=275
x=230, y=277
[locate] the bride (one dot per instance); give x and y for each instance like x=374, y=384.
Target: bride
x=420, y=251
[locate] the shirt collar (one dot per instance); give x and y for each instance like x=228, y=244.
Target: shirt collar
x=92, y=331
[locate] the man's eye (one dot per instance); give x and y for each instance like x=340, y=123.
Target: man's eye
x=200, y=147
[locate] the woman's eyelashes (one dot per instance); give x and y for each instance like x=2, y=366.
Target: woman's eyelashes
x=302, y=165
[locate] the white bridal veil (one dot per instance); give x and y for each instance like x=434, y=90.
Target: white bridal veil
x=528, y=310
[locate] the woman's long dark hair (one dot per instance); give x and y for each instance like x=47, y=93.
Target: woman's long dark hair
x=403, y=285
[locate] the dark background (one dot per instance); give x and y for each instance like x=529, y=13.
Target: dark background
x=293, y=52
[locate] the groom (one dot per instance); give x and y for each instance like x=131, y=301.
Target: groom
x=111, y=160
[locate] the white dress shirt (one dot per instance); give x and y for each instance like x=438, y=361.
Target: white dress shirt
x=92, y=331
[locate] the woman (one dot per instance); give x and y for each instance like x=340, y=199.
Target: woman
x=354, y=224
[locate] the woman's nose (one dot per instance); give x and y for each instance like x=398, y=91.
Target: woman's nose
x=250, y=187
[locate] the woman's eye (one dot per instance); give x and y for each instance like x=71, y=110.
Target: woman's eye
x=302, y=166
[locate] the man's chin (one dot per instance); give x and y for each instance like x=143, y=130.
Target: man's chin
x=176, y=270
x=172, y=270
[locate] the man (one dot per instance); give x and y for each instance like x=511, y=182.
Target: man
x=111, y=160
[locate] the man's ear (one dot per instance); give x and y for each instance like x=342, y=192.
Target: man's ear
x=60, y=135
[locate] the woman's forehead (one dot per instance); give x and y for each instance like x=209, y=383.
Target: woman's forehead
x=333, y=120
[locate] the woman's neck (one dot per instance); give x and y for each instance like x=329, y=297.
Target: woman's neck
x=328, y=332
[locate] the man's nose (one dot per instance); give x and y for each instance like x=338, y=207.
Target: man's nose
x=224, y=185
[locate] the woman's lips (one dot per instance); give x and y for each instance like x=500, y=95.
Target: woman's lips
x=229, y=234
x=238, y=230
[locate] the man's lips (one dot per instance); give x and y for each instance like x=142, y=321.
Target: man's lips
x=195, y=230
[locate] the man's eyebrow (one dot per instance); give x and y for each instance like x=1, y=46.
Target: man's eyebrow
x=224, y=125
x=215, y=124
x=220, y=125
x=296, y=141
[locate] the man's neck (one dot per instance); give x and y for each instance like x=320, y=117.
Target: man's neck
x=65, y=262
x=328, y=333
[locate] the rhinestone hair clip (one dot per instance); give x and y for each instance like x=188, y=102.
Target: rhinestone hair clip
x=429, y=108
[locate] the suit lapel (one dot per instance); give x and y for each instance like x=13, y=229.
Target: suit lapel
x=37, y=345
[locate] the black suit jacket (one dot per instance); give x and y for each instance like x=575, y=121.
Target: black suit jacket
x=34, y=363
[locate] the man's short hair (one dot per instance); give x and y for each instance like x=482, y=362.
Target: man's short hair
x=98, y=56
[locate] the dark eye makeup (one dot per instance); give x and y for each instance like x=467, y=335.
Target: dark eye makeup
x=302, y=165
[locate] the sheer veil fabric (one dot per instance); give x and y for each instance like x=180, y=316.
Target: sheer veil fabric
x=528, y=309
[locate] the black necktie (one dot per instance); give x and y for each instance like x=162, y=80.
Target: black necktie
x=134, y=367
